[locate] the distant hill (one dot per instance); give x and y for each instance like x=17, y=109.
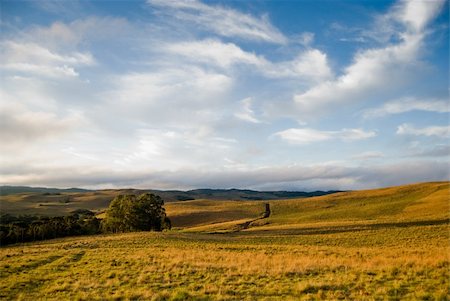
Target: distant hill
x=18, y=200
x=235, y=194
x=415, y=204
x=179, y=195
x=7, y=190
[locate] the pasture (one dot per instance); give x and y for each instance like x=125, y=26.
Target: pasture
x=388, y=243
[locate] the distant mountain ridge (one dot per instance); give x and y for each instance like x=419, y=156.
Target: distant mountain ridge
x=178, y=195
x=7, y=190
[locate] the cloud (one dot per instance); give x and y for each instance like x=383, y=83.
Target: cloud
x=416, y=14
x=294, y=177
x=438, y=131
x=368, y=155
x=58, y=50
x=308, y=135
x=31, y=58
x=179, y=100
x=22, y=127
x=307, y=38
x=214, y=52
x=408, y=104
x=160, y=149
x=436, y=151
x=180, y=97
x=375, y=69
x=61, y=37
x=223, y=21
x=309, y=65
x=246, y=112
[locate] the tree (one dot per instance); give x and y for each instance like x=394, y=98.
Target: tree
x=128, y=213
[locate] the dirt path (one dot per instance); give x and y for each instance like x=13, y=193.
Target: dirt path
x=247, y=224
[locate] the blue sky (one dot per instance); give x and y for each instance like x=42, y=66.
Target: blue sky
x=297, y=95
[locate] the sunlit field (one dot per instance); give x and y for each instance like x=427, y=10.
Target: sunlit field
x=393, y=245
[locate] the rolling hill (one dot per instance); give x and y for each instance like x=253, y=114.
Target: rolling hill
x=17, y=200
x=415, y=202
x=382, y=244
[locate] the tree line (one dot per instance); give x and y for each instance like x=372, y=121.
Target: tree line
x=126, y=213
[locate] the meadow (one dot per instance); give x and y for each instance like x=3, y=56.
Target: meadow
x=384, y=244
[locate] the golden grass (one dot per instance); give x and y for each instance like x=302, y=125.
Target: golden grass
x=417, y=202
x=206, y=212
x=386, y=244
x=410, y=263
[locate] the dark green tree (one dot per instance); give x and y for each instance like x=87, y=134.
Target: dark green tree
x=128, y=213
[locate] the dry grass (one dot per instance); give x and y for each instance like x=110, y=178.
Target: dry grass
x=409, y=263
x=409, y=203
x=207, y=212
x=389, y=244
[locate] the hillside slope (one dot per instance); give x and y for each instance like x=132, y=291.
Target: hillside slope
x=383, y=244
x=415, y=202
x=19, y=200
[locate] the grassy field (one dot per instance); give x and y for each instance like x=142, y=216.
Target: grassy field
x=382, y=244
x=16, y=200
x=56, y=204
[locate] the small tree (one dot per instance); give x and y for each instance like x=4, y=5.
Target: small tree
x=128, y=213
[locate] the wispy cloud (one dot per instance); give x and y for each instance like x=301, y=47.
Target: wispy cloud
x=377, y=68
x=21, y=127
x=311, y=177
x=221, y=20
x=246, y=112
x=408, y=104
x=310, y=65
x=178, y=98
x=31, y=58
x=213, y=51
x=442, y=150
x=306, y=38
x=438, y=131
x=187, y=94
x=368, y=155
x=308, y=135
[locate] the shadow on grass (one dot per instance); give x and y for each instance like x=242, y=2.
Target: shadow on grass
x=348, y=228
x=31, y=266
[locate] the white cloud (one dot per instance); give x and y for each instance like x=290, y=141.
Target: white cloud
x=31, y=58
x=246, y=112
x=22, y=127
x=439, y=131
x=309, y=65
x=221, y=20
x=307, y=38
x=214, y=52
x=294, y=177
x=159, y=149
x=440, y=150
x=55, y=51
x=182, y=97
x=368, y=155
x=408, y=104
x=417, y=13
x=160, y=110
x=308, y=135
x=356, y=134
x=312, y=63
x=374, y=69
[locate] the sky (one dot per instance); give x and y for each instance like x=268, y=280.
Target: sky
x=263, y=94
